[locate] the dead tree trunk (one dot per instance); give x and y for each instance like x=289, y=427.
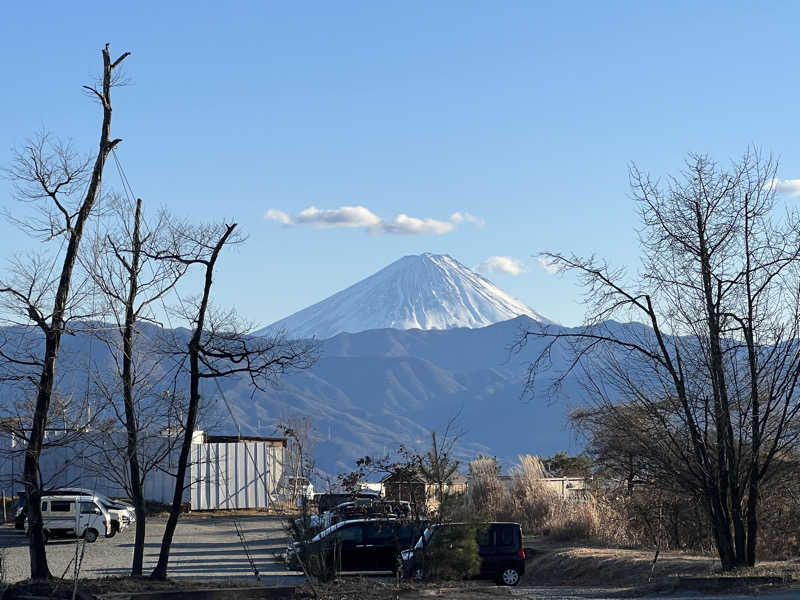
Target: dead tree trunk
x=160, y=570
x=220, y=346
x=53, y=330
x=127, y=389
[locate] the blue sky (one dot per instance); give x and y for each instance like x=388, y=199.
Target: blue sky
x=524, y=115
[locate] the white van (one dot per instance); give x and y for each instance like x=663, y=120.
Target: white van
x=122, y=514
x=75, y=516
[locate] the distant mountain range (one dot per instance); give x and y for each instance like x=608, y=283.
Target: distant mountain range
x=426, y=291
x=376, y=389
x=428, y=340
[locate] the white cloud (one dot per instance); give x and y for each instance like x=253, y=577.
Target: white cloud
x=502, y=264
x=344, y=216
x=790, y=187
x=360, y=216
x=405, y=225
x=548, y=264
x=458, y=218
x=278, y=215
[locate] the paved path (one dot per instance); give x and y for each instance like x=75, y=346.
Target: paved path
x=206, y=547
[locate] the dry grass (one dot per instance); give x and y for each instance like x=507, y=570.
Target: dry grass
x=145, y=584
x=352, y=588
x=559, y=564
x=62, y=588
x=538, y=507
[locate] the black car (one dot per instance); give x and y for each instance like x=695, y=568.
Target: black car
x=499, y=546
x=356, y=545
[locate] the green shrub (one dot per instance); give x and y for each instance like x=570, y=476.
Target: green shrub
x=453, y=553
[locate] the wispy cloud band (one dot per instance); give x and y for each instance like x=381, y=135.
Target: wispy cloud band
x=344, y=216
x=790, y=187
x=360, y=216
x=502, y=264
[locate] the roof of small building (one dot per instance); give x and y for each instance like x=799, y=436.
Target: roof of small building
x=233, y=439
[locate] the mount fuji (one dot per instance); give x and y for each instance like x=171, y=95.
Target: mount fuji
x=426, y=291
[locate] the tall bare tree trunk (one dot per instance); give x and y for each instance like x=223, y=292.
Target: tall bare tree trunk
x=131, y=424
x=755, y=395
x=160, y=570
x=727, y=511
x=54, y=330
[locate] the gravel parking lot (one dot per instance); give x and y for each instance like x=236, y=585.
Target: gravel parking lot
x=204, y=546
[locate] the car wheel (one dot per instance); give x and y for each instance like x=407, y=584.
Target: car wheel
x=90, y=536
x=509, y=576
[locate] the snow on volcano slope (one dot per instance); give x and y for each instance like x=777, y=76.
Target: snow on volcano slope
x=426, y=291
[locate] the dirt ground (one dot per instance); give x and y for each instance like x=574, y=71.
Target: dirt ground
x=559, y=564
x=553, y=570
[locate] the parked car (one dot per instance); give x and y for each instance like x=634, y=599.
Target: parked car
x=361, y=508
x=355, y=545
x=122, y=514
x=80, y=516
x=365, y=508
x=328, y=501
x=499, y=546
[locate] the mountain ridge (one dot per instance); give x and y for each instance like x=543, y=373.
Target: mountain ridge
x=426, y=291
x=374, y=390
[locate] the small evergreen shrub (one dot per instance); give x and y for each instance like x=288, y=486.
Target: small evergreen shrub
x=452, y=552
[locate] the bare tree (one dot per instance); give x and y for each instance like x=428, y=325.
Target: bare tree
x=407, y=473
x=219, y=347
x=715, y=375
x=50, y=175
x=437, y=466
x=619, y=442
x=132, y=280
x=302, y=437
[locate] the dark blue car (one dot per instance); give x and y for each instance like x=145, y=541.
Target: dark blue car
x=499, y=545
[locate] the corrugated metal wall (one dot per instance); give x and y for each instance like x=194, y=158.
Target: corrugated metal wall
x=244, y=474
x=80, y=463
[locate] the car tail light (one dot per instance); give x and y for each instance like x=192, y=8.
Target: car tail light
x=521, y=553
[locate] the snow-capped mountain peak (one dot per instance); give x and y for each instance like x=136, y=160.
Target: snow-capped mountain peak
x=425, y=291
